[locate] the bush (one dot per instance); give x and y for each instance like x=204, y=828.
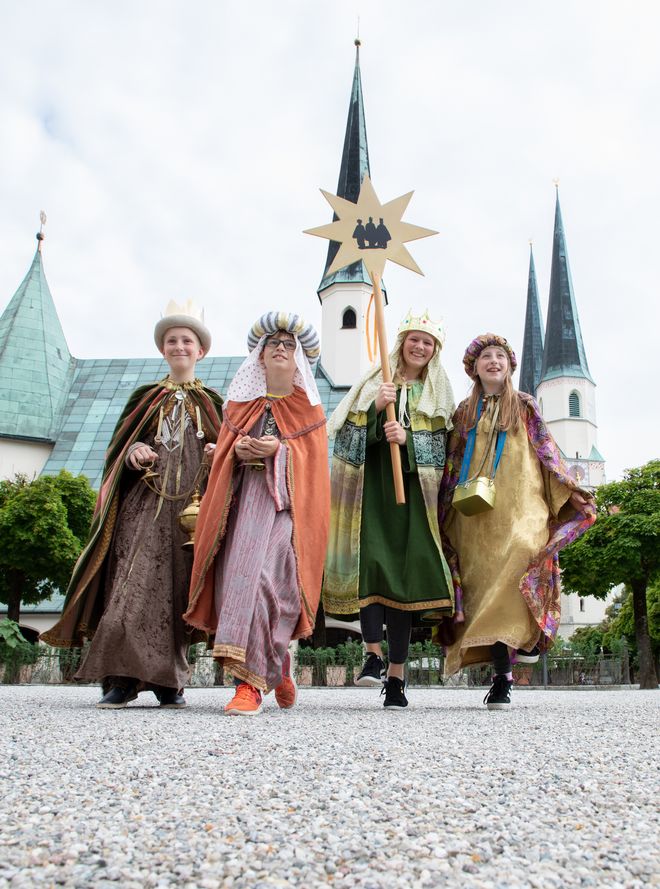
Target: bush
x=15, y=650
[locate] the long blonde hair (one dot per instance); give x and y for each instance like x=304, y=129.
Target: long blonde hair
x=509, y=416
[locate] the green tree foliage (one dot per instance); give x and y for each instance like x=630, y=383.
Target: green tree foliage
x=623, y=547
x=14, y=650
x=43, y=526
x=621, y=621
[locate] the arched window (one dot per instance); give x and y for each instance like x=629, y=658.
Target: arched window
x=574, y=405
x=541, y=405
x=349, y=319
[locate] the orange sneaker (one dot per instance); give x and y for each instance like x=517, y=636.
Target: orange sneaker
x=246, y=701
x=286, y=693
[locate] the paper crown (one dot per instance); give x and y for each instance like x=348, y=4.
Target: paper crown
x=186, y=314
x=423, y=322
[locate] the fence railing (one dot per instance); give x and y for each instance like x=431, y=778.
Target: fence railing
x=53, y=667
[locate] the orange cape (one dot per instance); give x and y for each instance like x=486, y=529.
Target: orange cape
x=302, y=430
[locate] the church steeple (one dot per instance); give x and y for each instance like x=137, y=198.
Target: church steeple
x=354, y=167
x=563, y=355
x=532, y=353
x=566, y=392
x=35, y=362
x=346, y=295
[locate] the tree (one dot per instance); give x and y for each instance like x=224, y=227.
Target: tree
x=623, y=547
x=621, y=622
x=43, y=525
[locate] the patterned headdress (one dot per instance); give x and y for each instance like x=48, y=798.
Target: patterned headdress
x=424, y=323
x=185, y=315
x=250, y=379
x=271, y=322
x=477, y=346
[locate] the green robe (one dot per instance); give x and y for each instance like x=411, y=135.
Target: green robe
x=381, y=552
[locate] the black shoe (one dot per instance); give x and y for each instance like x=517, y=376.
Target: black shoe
x=528, y=657
x=499, y=696
x=373, y=672
x=394, y=692
x=171, y=698
x=117, y=698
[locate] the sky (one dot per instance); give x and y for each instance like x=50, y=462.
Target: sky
x=178, y=149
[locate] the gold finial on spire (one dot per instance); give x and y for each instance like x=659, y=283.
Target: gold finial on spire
x=555, y=182
x=357, y=40
x=530, y=243
x=41, y=235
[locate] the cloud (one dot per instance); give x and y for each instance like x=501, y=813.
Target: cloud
x=178, y=150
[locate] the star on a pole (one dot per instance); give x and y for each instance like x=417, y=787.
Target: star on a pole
x=370, y=231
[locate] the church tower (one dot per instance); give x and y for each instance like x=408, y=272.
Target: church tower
x=532, y=352
x=566, y=392
x=36, y=369
x=345, y=294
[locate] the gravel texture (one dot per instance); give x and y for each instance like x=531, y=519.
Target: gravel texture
x=560, y=791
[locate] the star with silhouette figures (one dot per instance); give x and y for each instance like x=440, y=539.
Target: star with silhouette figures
x=370, y=231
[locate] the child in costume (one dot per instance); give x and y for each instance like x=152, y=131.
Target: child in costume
x=262, y=530
x=129, y=588
x=385, y=560
x=505, y=559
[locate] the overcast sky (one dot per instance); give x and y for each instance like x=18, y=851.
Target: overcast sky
x=178, y=149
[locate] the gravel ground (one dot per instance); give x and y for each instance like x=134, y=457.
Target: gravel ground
x=560, y=791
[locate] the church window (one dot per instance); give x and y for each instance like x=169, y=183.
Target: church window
x=582, y=605
x=541, y=405
x=574, y=405
x=349, y=319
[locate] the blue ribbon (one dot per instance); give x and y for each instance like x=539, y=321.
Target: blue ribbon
x=469, y=449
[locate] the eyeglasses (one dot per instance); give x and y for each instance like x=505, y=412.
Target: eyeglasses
x=273, y=343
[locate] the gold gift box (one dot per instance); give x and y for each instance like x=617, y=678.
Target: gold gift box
x=474, y=496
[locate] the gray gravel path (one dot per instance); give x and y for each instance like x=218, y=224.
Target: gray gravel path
x=560, y=791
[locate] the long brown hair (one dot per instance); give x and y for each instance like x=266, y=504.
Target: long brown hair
x=509, y=416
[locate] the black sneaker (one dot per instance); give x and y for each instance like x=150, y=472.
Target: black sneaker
x=528, y=657
x=499, y=696
x=117, y=698
x=373, y=672
x=394, y=691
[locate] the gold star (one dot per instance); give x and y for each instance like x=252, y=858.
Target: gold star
x=370, y=231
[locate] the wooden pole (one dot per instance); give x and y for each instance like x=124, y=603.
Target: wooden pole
x=387, y=378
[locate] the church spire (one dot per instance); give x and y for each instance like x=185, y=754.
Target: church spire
x=532, y=353
x=354, y=167
x=563, y=355
x=35, y=362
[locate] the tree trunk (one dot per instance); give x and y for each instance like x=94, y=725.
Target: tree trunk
x=648, y=678
x=16, y=581
x=319, y=638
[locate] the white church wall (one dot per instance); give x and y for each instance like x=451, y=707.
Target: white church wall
x=344, y=354
x=26, y=457
x=587, y=611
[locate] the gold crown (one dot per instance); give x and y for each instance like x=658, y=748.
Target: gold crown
x=423, y=322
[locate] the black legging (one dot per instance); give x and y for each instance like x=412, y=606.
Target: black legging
x=399, y=625
x=499, y=653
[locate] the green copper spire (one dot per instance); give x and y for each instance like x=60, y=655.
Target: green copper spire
x=563, y=355
x=532, y=353
x=35, y=364
x=354, y=166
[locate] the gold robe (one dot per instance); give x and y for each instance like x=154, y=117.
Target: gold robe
x=495, y=547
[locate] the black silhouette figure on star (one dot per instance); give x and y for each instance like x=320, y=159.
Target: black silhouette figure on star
x=359, y=234
x=382, y=235
x=370, y=232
